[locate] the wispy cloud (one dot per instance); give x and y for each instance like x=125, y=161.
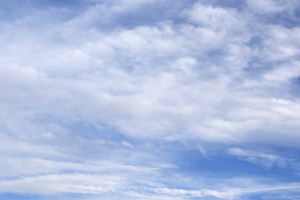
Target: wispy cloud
x=258, y=157
x=56, y=183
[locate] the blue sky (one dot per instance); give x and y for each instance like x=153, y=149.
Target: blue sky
x=149, y=99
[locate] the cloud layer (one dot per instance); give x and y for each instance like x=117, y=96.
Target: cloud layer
x=119, y=95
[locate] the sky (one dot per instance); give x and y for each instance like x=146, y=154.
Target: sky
x=149, y=99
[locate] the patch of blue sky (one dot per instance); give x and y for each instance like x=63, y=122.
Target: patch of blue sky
x=290, y=195
x=294, y=87
x=14, y=11
x=19, y=197
x=191, y=162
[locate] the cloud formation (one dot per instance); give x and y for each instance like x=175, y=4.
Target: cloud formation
x=109, y=92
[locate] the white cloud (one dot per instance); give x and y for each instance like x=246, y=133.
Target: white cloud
x=237, y=192
x=16, y=166
x=269, y=6
x=261, y=158
x=215, y=18
x=57, y=183
x=187, y=79
x=280, y=43
x=151, y=81
x=197, y=193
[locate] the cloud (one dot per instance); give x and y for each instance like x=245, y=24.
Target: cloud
x=154, y=80
x=229, y=193
x=108, y=87
x=197, y=193
x=215, y=18
x=269, y=6
x=264, y=159
x=55, y=183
